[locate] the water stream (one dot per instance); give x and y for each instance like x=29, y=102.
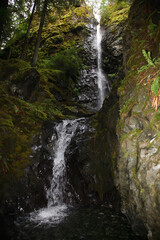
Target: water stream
x=56, y=208
x=100, y=75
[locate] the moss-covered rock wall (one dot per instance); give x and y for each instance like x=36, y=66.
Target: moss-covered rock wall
x=136, y=174
x=30, y=97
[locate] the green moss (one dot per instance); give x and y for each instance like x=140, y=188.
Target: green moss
x=131, y=135
x=127, y=106
x=6, y=123
x=20, y=120
x=120, y=125
x=134, y=172
x=157, y=117
x=115, y=12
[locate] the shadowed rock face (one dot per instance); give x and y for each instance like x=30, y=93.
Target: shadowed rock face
x=137, y=168
x=112, y=45
x=87, y=84
x=136, y=134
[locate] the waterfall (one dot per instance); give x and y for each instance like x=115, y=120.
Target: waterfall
x=102, y=81
x=56, y=195
x=56, y=207
x=65, y=131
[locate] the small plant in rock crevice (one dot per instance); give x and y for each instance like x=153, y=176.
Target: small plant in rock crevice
x=150, y=76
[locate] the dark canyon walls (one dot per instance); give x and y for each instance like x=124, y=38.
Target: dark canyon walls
x=136, y=130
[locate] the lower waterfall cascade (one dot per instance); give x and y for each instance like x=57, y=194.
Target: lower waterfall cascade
x=56, y=207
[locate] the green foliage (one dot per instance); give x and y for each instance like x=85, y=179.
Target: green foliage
x=66, y=66
x=4, y=164
x=69, y=62
x=76, y=91
x=112, y=75
x=147, y=56
x=15, y=15
x=150, y=73
x=150, y=62
x=116, y=11
x=157, y=117
x=155, y=86
x=127, y=106
x=145, y=67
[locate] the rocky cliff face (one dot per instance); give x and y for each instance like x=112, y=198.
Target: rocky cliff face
x=136, y=171
x=33, y=98
x=113, y=155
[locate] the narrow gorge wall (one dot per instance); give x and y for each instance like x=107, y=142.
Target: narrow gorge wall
x=136, y=131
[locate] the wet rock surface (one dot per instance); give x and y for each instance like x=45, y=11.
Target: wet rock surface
x=87, y=84
x=79, y=158
x=112, y=44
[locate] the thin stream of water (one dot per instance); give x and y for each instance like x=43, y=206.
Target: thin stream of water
x=56, y=208
x=102, y=81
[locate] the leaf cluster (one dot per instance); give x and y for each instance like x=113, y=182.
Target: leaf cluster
x=150, y=62
x=150, y=73
x=66, y=66
x=69, y=62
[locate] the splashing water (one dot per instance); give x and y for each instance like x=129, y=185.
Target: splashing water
x=56, y=209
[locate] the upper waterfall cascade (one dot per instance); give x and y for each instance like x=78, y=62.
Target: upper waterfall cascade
x=101, y=78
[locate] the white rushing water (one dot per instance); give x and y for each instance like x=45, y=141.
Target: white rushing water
x=56, y=209
x=102, y=80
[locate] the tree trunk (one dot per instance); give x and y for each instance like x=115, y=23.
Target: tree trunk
x=25, y=45
x=35, y=56
x=38, y=6
x=3, y=15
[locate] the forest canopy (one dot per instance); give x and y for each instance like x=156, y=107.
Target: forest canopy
x=16, y=17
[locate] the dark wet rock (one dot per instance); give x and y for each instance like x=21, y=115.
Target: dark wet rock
x=79, y=158
x=29, y=192
x=112, y=44
x=87, y=84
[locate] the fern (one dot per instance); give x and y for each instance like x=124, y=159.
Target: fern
x=148, y=58
x=145, y=67
x=155, y=86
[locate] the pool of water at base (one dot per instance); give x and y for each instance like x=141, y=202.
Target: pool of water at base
x=89, y=223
